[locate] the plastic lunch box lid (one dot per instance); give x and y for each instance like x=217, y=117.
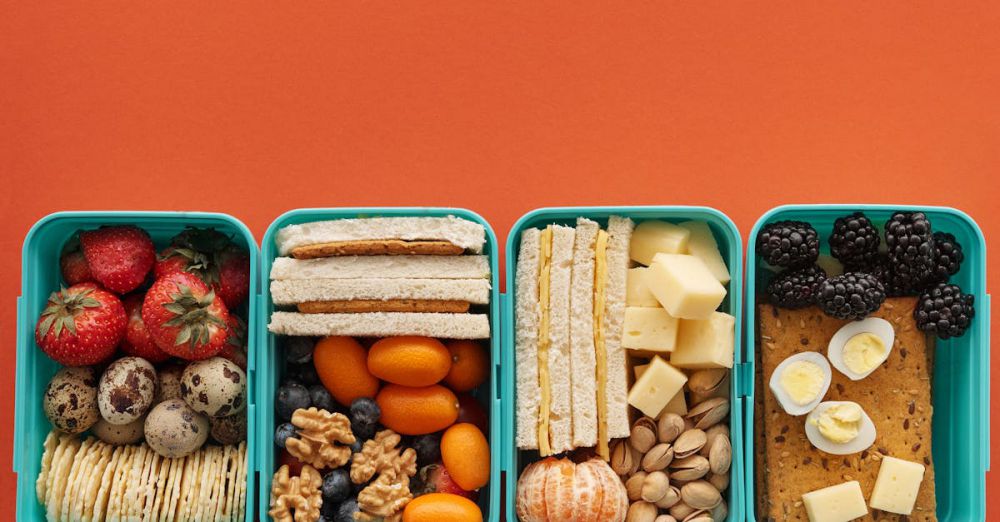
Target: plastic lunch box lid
x=32, y=424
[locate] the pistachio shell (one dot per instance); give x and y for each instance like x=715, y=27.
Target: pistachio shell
x=665, y=518
x=709, y=413
x=669, y=427
x=655, y=486
x=659, y=457
x=671, y=497
x=641, y=512
x=622, y=457
x=689, y=468
x=707, y=381
x=721, y=511
x=700, y=495
x=721, y=455
x=633, y=486
x=643, y=435
x=712, y=433
x=721, y=482
x=689, y=443
x=680, y=510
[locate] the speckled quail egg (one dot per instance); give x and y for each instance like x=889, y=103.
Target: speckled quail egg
x=126, y=390
x=215, y=387
x=173, y=429
x=860, y=347
x=130, y=433
x=840, y=428
x=231, y=429
x=800, y=382
x=170, y=382
x=70, y=400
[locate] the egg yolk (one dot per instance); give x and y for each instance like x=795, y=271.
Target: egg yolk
x=863, y=352
x=839, y=424
x=802, y=381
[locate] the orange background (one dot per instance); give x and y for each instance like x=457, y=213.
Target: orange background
x=259, y=107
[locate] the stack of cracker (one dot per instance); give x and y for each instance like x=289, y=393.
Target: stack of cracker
x=83, y=480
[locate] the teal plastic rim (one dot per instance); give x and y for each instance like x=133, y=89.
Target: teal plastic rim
x=40, y=276
x=273, y=364
x=960, y=431
x=731, y=246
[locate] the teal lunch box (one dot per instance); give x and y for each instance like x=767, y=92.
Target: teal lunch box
x=40, y=276
x=269, y=350
x=960, y=394
x=730, y=244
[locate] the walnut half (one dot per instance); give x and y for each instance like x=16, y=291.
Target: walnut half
x=296, y=499
x=319, y=434
x=388, y=494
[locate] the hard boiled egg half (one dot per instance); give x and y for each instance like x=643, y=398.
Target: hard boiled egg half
x=840, y=428
x=800, y=382
x=860, y=347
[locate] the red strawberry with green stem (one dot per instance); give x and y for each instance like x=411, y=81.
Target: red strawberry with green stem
x=119, y=257
x=81, y=325
x=185, y=318
x=137, y=340
x=436, y=479
x=234, y=275
x=73, y=264
x=214, y=258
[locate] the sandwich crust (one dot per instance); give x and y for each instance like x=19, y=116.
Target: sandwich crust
x=379, y=247
x=359, y=306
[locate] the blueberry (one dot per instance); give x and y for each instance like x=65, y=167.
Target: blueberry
x=358, y=444
x=291, y=396
x=363, y=432
x=328, y=511
x=304, y=373
x=346, y=511
x=428, y=448
x=322, y=398
x=336, y=486
x=299, y=350
x=365, y=411
x=283, y=433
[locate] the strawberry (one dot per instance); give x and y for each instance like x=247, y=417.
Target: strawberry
x=73, y=264
x=436, y=479
x=236, y=343
x=137, y=340
x=81, y=325
x=184, y=317
x=119, y=257
x=234, y=275
x=214, y=258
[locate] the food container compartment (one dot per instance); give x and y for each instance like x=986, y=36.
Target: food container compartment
x=730, y=245
x=273, y=361
x=40, y=276
x=960, y=393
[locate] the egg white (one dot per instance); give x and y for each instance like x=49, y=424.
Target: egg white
x=784, y=399
x=864, y=440
x=835, y=350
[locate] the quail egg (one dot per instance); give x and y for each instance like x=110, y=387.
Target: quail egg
x=231, y=429
x=130, y=433
x=173, y=429
x=70, y=400
x=860, y=347
x=126, y=390
x=215, y=387
x=170, y=382
x=800, y=382
x=840, y=428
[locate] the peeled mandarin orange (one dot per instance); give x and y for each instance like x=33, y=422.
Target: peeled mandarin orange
x=466, y=456
x=417, y=411
x=409, y=360
x=442, y=507
x=470, y=365
x=342, y=366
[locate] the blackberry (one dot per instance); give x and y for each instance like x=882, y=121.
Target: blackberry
x=852, y=295
x=854, y=241
x=943, y=310
x=911, y=252
x=948, y=257
x=795, y=288
x=789, y=244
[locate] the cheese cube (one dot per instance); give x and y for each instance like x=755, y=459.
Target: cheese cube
x=653, y=237
x=684, y=286
x=649, y=329
x=706, y=343
x=839, y=503
x=636, y=291
x=676, y=405
x=897, y=485
x=658, y=384
x=702, y=245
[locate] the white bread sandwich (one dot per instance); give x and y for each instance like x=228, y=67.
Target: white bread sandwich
x=382, y=324
x=384, y=267
x=570, y=304
x=382, y=235
x=298, y=291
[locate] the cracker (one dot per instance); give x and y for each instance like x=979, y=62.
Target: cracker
x=888, y=395
x=117, y=483
x=80, y=462
x=152, y=485
x=50, y=445
x=60, y=475
x=208, y=482
x=361, y=306
x=223, y=486
x=189, y=486
x=106, y=478
x=170, y=511
x=62, y=442
x=377, y=247
x=241, y=482
x=87, y=495
x=232, y=491
x=130, y=508
x=162, y=489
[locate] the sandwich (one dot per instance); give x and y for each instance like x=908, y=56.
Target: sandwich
x=572, y=389
x=382, y=276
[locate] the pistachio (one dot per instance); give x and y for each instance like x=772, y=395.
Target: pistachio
x=721, y=455
x=654, y=486
x=665, y=518
x=658, y=457
x=622, y=457
x=700, y=495
x=699, y=516
x=680, y=510
x=633, y=486
x=688, y=424
x=689, y=468
x=707, y=381
x=641, y=512
x=669, y=427
x=689, y=443
x=709, y=413
x=711, y=434
x=721, y=511
x=672, y=496
x=643, y=435
x=721, y=482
